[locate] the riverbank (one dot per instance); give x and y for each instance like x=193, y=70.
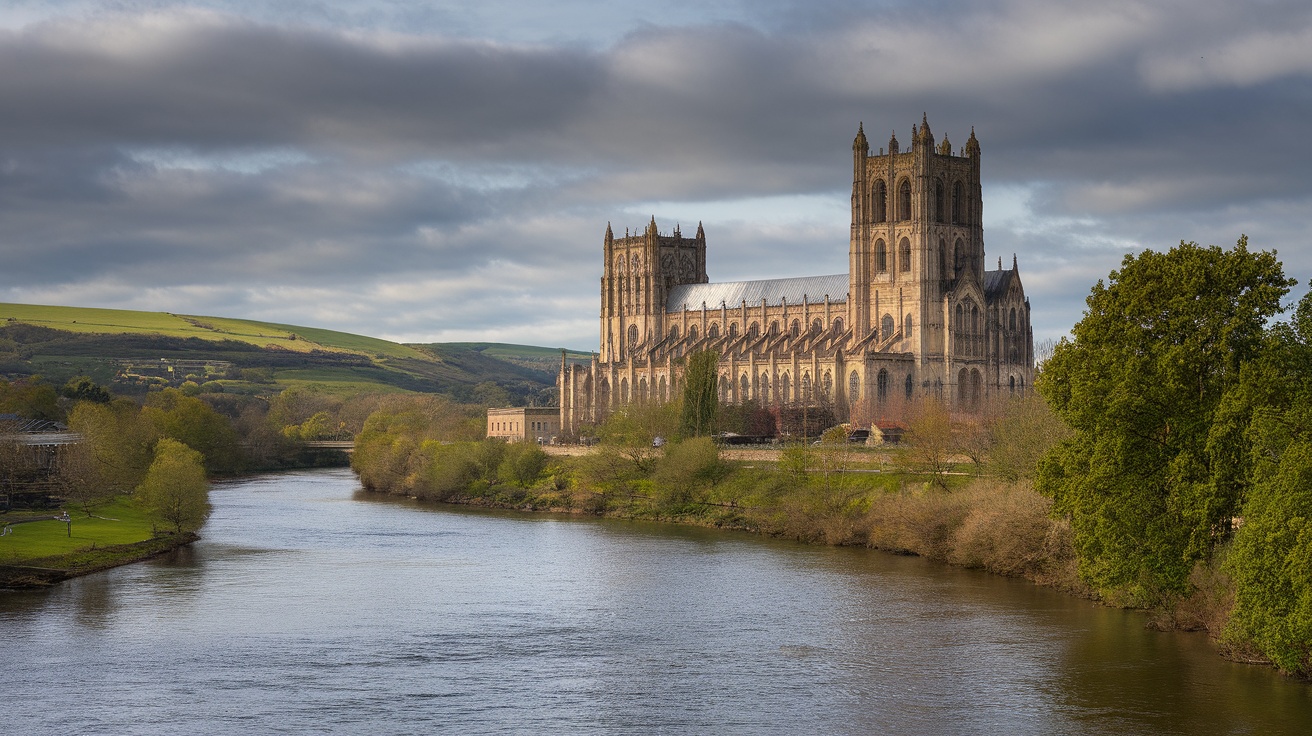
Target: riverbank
x=832, y=495
x=43, y=572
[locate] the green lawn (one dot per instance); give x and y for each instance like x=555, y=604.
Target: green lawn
x=123, y=523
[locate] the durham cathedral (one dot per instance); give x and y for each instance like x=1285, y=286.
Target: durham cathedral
x=917, y=315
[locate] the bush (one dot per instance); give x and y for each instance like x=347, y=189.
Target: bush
x=687, y=470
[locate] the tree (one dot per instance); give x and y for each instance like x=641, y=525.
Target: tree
x=175, y=488
x=119, y=439
x=1140, y=383
x=929, y=434
x=700, y=398
x=523, y=463
x=1269, y=561
x=196, y=424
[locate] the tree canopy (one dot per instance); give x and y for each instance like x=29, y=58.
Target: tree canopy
x=1149, y=478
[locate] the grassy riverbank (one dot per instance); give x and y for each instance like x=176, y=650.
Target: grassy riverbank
x=36, y=553
x=834, y=494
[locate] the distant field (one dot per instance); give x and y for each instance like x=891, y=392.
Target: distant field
x=97, y=342
x=263, y=334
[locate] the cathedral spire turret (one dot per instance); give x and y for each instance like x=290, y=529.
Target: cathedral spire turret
x=972, y=145
x=610, y=236
x=860, y=146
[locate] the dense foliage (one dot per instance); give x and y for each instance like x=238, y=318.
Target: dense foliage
x=1188, y=477
x=1148, y=477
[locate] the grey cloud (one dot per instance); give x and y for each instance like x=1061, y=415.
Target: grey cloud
x=402, y=169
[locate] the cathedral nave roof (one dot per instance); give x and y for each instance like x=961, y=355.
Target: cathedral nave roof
x=812, y=289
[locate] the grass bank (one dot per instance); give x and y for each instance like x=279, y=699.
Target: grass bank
x=822, y=495
x=39, y=553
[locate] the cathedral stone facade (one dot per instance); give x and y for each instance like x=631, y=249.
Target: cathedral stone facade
x=917, y=315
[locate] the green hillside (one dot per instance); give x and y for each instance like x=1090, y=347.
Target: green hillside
x=133, y=351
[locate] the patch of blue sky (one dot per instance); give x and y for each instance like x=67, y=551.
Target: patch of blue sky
x=245, y=161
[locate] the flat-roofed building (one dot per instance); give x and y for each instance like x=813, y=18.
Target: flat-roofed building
x=519, y=424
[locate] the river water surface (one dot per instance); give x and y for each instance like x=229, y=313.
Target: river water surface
x=311, y=607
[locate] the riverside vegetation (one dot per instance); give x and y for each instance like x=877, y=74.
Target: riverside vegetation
x=136, y=483
x=1166, y=464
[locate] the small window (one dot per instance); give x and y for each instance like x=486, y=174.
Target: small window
x=881, y=257
x=904, y=255
x=879, y=202
x=904, y=200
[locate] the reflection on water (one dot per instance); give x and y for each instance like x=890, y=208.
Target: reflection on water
x=310, y=606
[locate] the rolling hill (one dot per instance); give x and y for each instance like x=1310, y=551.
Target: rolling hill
x=132, y=350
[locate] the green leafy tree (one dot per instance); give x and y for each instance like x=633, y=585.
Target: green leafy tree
x=701, y=402
x=31, y=398
x=1140, y=383
x=175, y=488
x=194, y=423
x=119, y=440
x=523, y=463
x=1270, y=562
x=82, y=388
x=687, y=470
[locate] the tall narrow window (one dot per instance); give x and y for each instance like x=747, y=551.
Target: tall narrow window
x=906, y=326
x=881, y=386
x=904, y=200
x=886, y=327
x=881, y=257
x=904, y=255
x=853, y=387
x=958, y=204
x=910, y=387
x=879, y=202
x=938, y=200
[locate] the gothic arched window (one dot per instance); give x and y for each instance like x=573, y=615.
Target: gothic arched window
x=838, y=326
x=958, y=204
x=904, y=200
x=633, y=336
x=853, y=387
x=906, y=326
x=724, y=390
x=886, y=327
x=764, y=388
x=879, y=202
x=881, y=386
x=881, y=257
x=904, y=255
x=959, y=257
x=692, y=333
x=938, y=200
x=713, y=331
x=733, y=330
x=786, y=389
x=817, y=326
x=795, y=329
x=910, y=387
x=1011, y=321
x=744, y=388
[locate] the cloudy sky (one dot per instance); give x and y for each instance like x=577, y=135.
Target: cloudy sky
x=429, y=171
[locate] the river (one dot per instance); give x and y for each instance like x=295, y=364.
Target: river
x=312, y=607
